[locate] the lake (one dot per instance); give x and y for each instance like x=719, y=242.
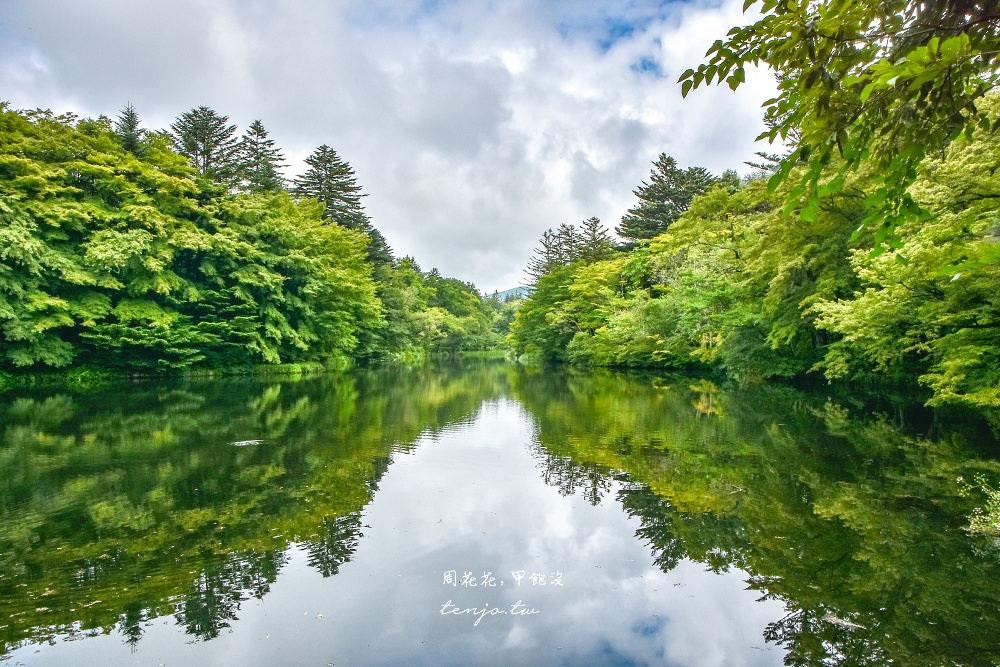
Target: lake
x=485, y=514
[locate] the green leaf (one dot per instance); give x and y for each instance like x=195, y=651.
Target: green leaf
x=775, y=180
x=866, y=92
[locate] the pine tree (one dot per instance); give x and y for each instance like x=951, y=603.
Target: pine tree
x=595, y=242
x=260, y=161
x=545, y=258
x=568, y=244
x=379, y=251
x=663, y=199
x=332, y=181
x=209, y=142
x=130, y=135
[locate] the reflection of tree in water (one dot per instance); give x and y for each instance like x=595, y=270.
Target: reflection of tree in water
x=820, y=637
x=562, y=472
x=216, y=594
x=336, y=546
x=132, y=502
x=656, y=525
x=130, y=625
x=380, y=465
x=848, y=519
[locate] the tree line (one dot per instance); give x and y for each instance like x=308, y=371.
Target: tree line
x=723, y=274
x=137, y=250
x=869, y=251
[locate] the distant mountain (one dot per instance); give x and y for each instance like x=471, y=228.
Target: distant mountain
x=521, y=292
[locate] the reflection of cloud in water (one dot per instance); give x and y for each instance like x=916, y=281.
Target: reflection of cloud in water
x=471, y=499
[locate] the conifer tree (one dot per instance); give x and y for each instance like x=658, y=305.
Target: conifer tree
x=260, y=161
x=130, y=135
x=545, y=257
x=568, y=247
x=332, y=181
x=663, y=199
x=567, y=244
x=206, y=138
x=595, y=242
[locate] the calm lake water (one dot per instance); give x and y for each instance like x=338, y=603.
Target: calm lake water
x=487, y=515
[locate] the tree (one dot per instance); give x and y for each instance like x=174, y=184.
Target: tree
x=209, y=142
x=545, y=257
x=663, y=199
x=889, y=82
x=332, y=181
x=129, y=133
x=595, y=243
x=187, y=277
x=568, y=244
x=260, y=161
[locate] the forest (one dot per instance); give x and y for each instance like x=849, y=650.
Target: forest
x=129, y=250
x=866, y=251
x=736, y=283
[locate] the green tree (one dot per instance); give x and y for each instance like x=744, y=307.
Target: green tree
x=889, y=82
x=206, y=138
x=129, y=132
x=332, y=181
x=545, y=257
x=663, y=199
x=568, y=244
x=595, y=242
x=121, y=263
x=936, y=316
x=260, y=161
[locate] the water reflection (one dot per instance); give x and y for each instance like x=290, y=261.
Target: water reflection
x=314, y=521
x=854, y=525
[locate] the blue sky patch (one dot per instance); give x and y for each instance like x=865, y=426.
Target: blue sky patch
x=608, y=23
x=647, y=627
x=648, y=65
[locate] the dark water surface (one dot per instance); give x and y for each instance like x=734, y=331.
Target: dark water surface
x=485, y=515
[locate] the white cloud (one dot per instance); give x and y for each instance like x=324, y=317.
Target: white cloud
x=472, y=126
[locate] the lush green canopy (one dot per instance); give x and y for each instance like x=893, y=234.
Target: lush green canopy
x=886, y=82
x=740, y=284
x=115, y=252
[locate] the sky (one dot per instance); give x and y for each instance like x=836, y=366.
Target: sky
x=472, y=126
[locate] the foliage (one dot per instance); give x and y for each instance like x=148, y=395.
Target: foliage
x=591, y=243
x=939, y=311
x=115, y=253
x=260, y=161
x=209, y=142
x=195, y=489
x=663, y=199
x=984, y=520
x=433, y=313
x=883, y=83
x=332, y=181
x=129, y=131
x=851, y=522
x=746, y=286
x=109, y=260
